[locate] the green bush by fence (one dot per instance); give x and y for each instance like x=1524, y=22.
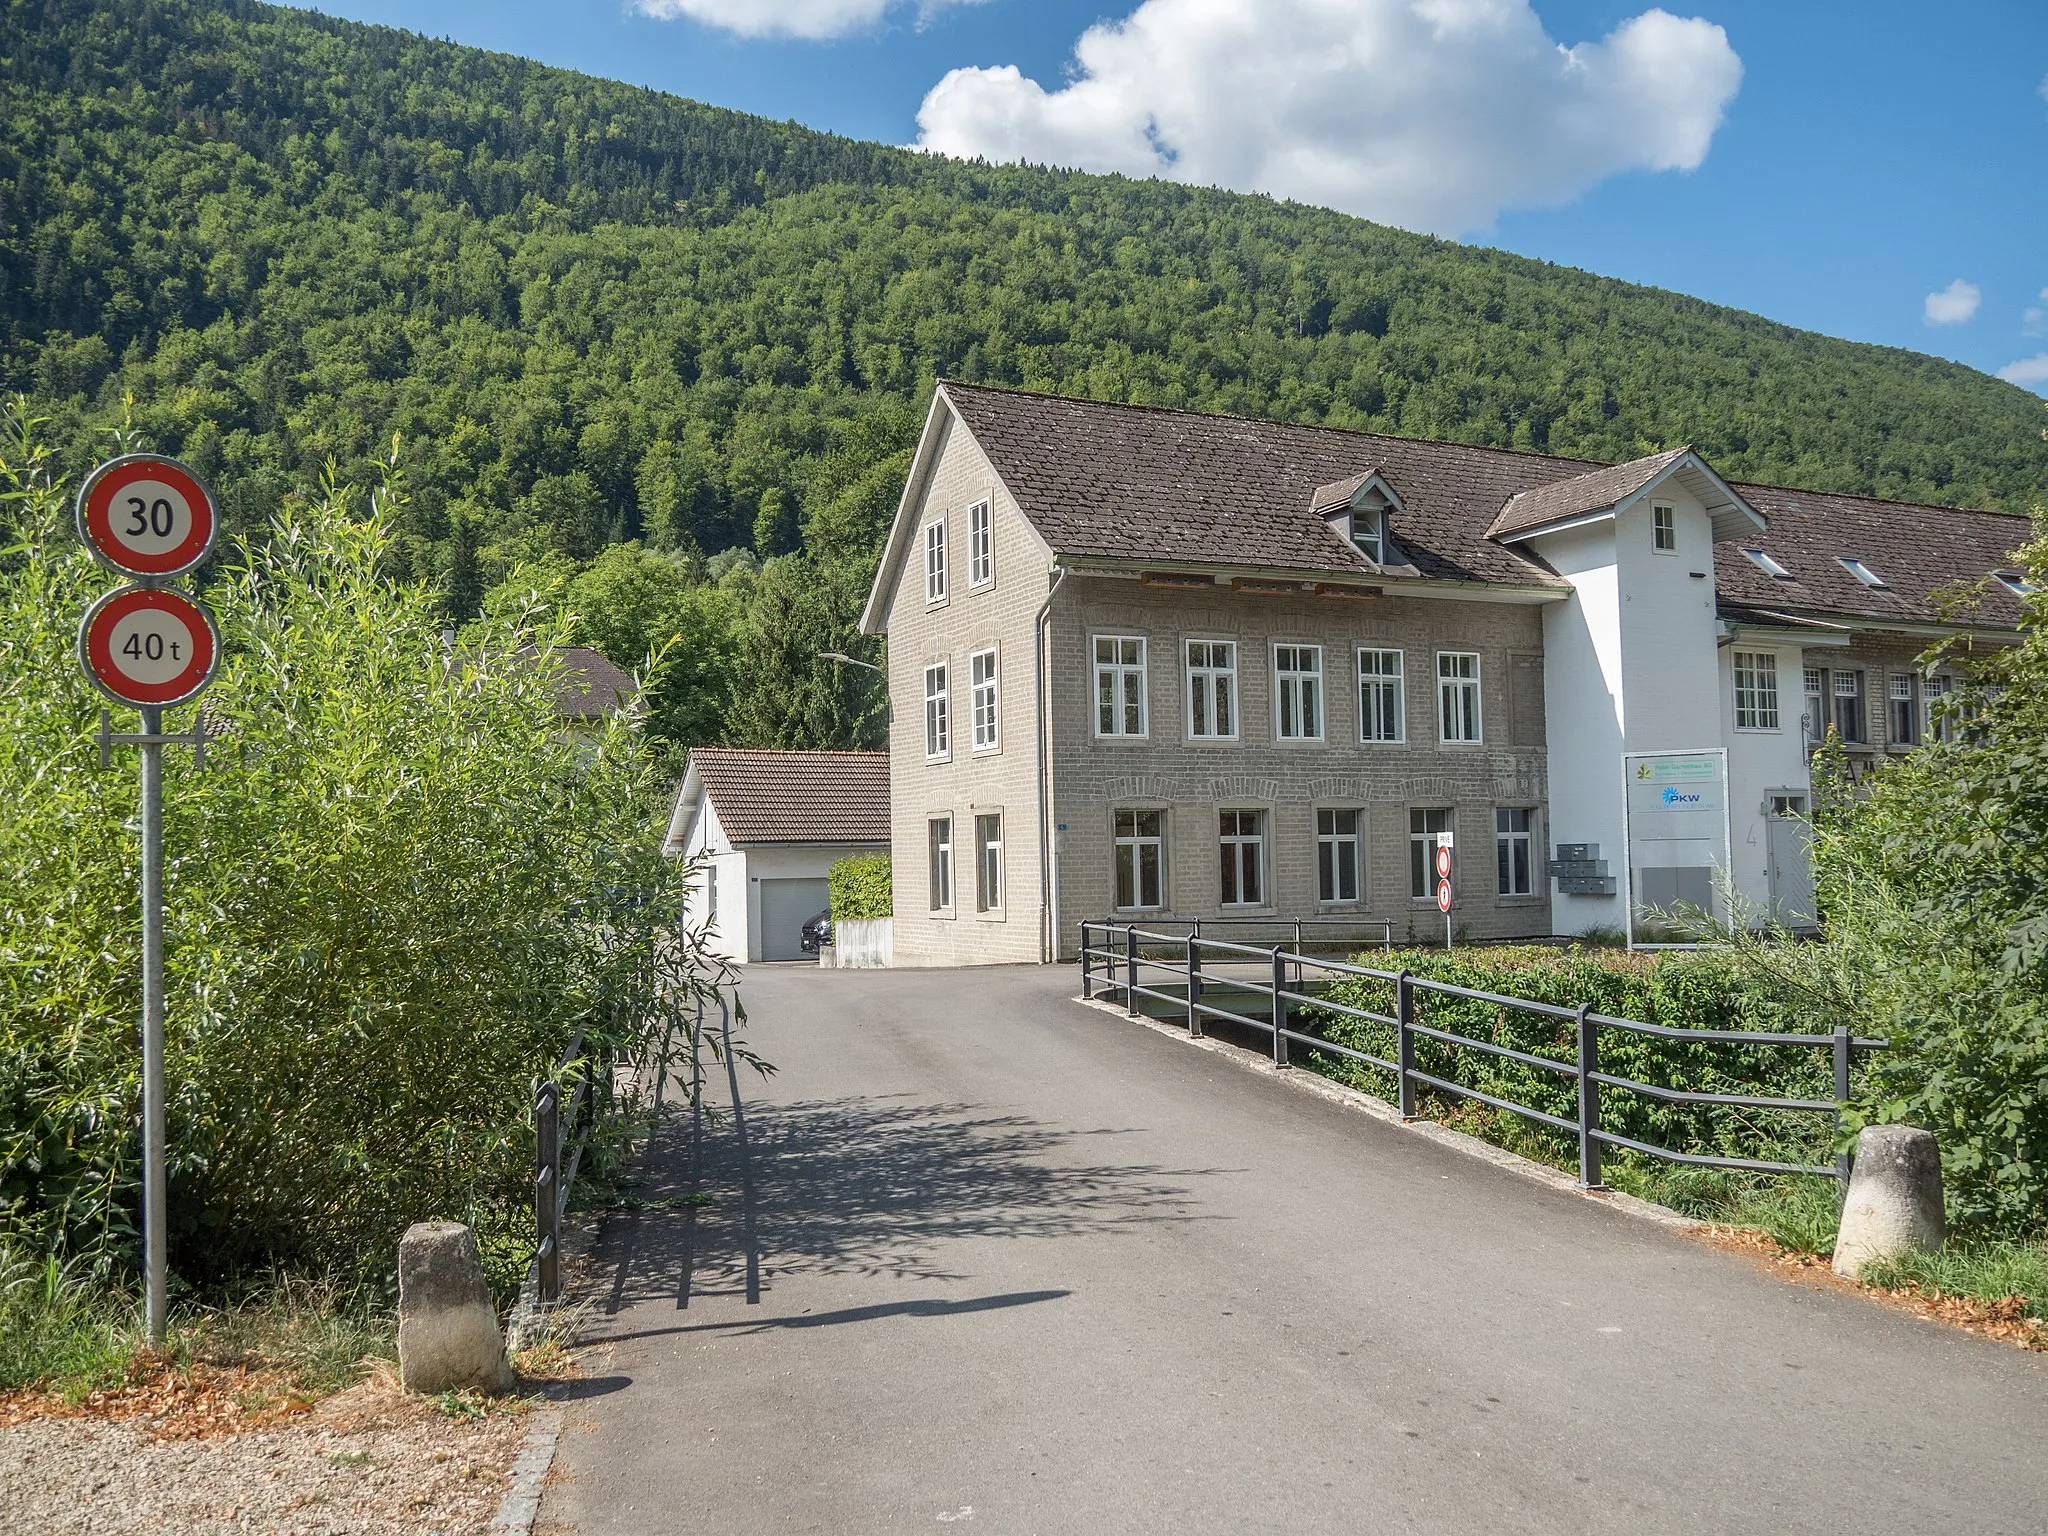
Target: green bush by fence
x=1684, y=990
x=391, y=901
x=860, y=888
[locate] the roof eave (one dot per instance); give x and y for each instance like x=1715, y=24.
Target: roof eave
x=1387, y=577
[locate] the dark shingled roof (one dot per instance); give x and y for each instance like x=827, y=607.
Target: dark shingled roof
x=1593, y=492
x=1125, y=482
x=797, y=797
x=591, y=687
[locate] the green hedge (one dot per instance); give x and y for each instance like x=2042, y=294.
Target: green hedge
x=1696, y=990
x=861, y=889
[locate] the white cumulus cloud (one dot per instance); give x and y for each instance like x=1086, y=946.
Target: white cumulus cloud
x=786, y=18
x=2029, y=371
x=2034, y=319
x=1432, y=114
x=1954, y=304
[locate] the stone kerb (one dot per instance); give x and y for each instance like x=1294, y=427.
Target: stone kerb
x=448, y=1339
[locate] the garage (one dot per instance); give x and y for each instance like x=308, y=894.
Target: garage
x=786, y=905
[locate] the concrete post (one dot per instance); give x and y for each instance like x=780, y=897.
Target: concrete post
x=1894, y=1201
x=448, y=1339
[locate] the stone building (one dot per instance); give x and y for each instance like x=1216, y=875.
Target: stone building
x=1158, y=665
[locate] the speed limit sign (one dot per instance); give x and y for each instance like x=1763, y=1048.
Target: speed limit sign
x=146, y=515
x=147, y=647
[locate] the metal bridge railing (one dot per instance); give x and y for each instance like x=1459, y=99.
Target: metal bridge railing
x=1124, y=961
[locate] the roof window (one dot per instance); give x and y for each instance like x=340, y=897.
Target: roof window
x=2018, y=582
x=1862, y=572
x=1766, y=564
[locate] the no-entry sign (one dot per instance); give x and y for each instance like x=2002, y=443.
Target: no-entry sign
x=146, y=515
x=148, y=648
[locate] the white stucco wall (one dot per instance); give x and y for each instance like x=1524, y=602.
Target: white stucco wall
x=1585, y=714
x=1761, y=761
x=729, y=925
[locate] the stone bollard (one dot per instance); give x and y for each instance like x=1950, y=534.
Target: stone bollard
x=1894, y=1199
x=448, y=1339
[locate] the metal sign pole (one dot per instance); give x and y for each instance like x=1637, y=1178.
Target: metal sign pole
x=156, y=1303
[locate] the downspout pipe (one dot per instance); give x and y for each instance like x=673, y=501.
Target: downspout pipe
x=1041, y=637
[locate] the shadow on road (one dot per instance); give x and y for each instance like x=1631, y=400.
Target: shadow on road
x=869, y=1186
x=748, y=1325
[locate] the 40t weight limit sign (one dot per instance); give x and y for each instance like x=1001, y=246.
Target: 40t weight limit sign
x=148, y=648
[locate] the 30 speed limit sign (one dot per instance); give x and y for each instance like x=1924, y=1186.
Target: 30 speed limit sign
x=148, y=648
x=146, y=515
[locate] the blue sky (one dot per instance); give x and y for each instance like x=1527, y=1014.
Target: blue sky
x=1873, y=170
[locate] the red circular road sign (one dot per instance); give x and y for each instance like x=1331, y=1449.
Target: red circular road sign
x=146, y=515
x=1443, y=863
x=1443, y=895
x=147, y=647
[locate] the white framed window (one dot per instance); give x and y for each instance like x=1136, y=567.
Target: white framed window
x=1337, y=857
x=1664, y=528
x=1849, y=716
x=1457, y=686
x=1369, y=534
x=1902, y=717
x=981, y=700
x=988, y=862
x=1756, y=691
x=1426, y=825
x=1515, y=873
x=1119, y=685
x=1938, y=716
x=981, y=546
x=1212, y=690
x=1816, y=719
x=935, y=561
x=1382, y=697
x=1298, y=692
x=939, y=871
x=1243, y=838
x=1140, y=860
x=938, y=723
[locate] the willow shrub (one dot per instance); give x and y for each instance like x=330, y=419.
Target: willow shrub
x=1685, y=990
x=395, y=892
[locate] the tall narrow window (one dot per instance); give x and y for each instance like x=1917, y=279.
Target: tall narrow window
x=1369, y=534
x=1119, y=685
x=1337, y=857
x=1849, y=707
x=1382, y=703
x=1515, y=873
x=981, y=680
x=1140, y=860
x=1244, y=858
x=935, y=561
x=939, y=845
x=1903, y=724
x=1425, y=827
x=1816, y=719
x=1212, y=689
x=988, y=863
x=1298, y=692
x=1756, y=691
x=1938, y=711
x=938, y=725
x=981, y=548
x=1664, y=529
x=1457, y=677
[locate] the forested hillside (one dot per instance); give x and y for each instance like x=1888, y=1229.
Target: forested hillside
x=590, y=314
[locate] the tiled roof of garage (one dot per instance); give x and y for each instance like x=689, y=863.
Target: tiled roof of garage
x=1132, y=483
x=796, y=797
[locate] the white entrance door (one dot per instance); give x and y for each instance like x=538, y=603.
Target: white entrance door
x=1786, y=834
x=786, y=905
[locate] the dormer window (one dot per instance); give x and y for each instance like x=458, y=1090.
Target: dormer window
x=1862, y=572
x=1766, y=564
x=1369, y=533
x=1358, y=511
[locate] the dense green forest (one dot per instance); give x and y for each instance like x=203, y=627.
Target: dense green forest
x=589, y=315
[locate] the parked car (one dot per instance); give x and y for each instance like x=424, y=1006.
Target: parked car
x=817, y=933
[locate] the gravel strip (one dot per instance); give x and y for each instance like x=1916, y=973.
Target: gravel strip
x=367, y=1462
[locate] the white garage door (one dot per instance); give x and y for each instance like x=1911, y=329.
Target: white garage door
x=786, y=905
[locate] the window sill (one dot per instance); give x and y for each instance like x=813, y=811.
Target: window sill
x=994, y=915
x=943, y=915
x=995, y=751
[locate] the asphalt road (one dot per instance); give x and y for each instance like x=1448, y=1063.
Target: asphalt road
x=1027, y=1267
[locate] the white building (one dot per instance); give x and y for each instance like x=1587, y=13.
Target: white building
x=1157, y=665
x=768, y=826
